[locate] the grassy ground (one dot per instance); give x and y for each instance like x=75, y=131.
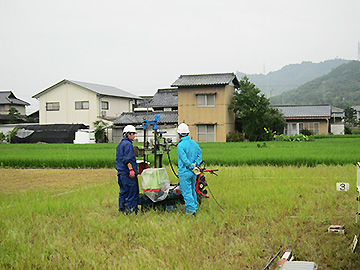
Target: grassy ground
x=73, y=223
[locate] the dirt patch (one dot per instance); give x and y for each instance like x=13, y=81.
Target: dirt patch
x=57, y=179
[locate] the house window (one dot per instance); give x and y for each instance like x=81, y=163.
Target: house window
x=81, y=105
x=104, y=105
x=52, y=106
x=314, y=127
x=206, y=133
x=205, y=100
x=296, y=128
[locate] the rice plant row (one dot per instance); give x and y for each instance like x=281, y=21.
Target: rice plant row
x=331, y=151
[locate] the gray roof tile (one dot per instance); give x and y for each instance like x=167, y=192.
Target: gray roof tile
x=305, y=111
x=165, y=98
x=97, y=88
x=7, y=97
x=136, y=118
x=106, y=90
x=205, y=79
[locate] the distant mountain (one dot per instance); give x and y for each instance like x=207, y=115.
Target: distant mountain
x=291, y=76
x=340, y=88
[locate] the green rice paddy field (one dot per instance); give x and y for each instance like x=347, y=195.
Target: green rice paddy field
x=67, y=218
x=332, y=151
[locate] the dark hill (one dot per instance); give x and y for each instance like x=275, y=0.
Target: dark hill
x=340, y=88
x=291, y=76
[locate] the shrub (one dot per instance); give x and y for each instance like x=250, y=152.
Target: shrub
x=347, y=130
x=355, y=131
x=293, y=138
x=2, y=137
x=306, y=132
x=235, y=136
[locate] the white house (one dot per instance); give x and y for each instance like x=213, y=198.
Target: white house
x=73, y=102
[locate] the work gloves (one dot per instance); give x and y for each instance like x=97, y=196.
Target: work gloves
x=132, y=173
x=196, y=170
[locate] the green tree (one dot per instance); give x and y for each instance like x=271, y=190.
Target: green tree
x=350, y=116
x=14, y=115
x=255, y=116
x=100, y=131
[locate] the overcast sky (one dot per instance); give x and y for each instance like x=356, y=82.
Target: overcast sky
x=142, y=45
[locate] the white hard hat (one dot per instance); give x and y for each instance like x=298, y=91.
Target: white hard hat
x=129, y=128
x=183, y=129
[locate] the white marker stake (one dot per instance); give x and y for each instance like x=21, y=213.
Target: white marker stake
x=342, y=186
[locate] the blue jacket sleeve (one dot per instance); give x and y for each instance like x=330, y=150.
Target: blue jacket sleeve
x=128, y=149
x=125, y=154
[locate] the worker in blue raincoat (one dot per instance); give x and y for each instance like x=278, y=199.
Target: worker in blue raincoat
x=127, y=172
x=189, y=158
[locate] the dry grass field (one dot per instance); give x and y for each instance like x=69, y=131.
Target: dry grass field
x=51, y=179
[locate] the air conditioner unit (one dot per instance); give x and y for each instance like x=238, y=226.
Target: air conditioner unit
x=103, y=113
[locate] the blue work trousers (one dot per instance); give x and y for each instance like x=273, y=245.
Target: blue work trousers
x=187, y=186
x=129, y=193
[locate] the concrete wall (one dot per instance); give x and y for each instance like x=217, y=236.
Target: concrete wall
x=192, y=115
x=338, y=129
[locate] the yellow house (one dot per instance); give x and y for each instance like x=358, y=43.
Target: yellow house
x=203, y=102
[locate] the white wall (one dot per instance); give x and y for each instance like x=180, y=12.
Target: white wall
x=116, y=106
x=67, y=94
x=337, y=129
x=170, y=133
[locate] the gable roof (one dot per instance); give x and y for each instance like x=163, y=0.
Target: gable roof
x=305, y=111
x=7, y=97
x=206, y=79
x=136, y=118
x=96, y=88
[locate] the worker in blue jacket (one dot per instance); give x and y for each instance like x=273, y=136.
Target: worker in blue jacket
x=189, y=158
x=127, y=172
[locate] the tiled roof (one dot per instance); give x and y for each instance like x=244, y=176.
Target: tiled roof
x=305, y=111
x=136, y=118
x=7, y=97
x=164, y=98
x=97, y=88
x=205, y=79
